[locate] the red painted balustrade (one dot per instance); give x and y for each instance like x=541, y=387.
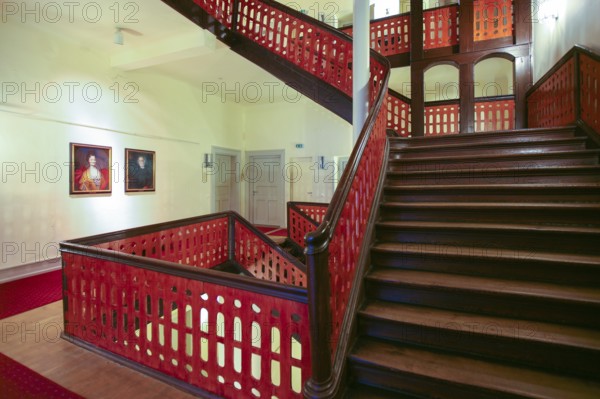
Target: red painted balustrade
x=442, y=118
x=440, y=27
x=494, y=114
x=569, y=93
x=398, y=113
x=389, y=36
x=304, y=217
x=222, y=333
x=493, y=19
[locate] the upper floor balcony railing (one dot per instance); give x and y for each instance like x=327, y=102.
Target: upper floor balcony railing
x=492, y=19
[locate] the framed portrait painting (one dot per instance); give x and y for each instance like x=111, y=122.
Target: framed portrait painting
x=90, y=169
x=140, y=172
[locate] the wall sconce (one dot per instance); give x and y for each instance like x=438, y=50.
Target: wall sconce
x=208, y=161
x=321, y=161
x=548, y=12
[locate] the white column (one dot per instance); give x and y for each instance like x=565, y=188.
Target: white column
x=360, y=66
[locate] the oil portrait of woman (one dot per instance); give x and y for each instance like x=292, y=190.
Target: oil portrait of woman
x=90, y=169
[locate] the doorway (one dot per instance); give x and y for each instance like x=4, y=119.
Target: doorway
x=301, y=179
x=226, y=179
x=264, y=173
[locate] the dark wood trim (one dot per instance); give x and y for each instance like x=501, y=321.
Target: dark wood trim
x=522, y=22
x=266, y=240
x=559, y=64
x=417, y=71
x=467, y=97
x=304, y=82
x=587, y=130
x=404, y=14
x=399, y=96
x=416, y=29
x=467, y=31
x=399, y=60
x=493, y=44
x=151, y=228
x=442, y=102
x=475, y=56
x=493, y=99
x=179, y=384
x=263, y=287
x=231, y=238
x=441, y=52
x=523, y=80
x=349, y=328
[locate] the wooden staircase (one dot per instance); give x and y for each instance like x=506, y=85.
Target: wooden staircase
x=485, y=278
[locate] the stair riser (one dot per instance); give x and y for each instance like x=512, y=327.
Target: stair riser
x=505, y=305
x=530, y=162
x=517, y=137
x=491, y=178
x=526, y=148
x=418, y=385
x=516, y=268
x=500, y=342
x=533, y=195
x=524, y=240
x=537, y=216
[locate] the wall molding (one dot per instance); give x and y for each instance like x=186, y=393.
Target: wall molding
x=29, y=269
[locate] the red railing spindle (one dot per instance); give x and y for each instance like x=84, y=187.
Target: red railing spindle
x=442, y=119
x=492, y=19
x=440, y=27
x=553, y=103
x=222, y=10
x=389, y=36
x=398, y=114
x=493, y=115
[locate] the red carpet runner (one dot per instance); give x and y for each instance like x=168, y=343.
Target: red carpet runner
x=29, y=293
x=20, y=382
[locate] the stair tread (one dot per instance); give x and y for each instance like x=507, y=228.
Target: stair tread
x=510, y=186
x=487, y=253
x=473, y=372
x=550, y=206
x=493, y=286
x=553, y=170
x=487, y=226
x=487, y=158
x=476, y=145
x=364, y=392
x=503, y=133
x=502, y=327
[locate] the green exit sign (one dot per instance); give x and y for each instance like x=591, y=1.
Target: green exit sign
x=299, y=145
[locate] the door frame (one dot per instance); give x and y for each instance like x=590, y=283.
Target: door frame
x=249, y=156
x=237, y=158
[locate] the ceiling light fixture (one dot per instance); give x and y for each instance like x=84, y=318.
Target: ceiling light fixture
x=118, y=38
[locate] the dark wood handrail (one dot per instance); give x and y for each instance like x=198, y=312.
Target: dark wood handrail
x=442, y=103
x=399, y=96
x=489, y=99
x=263, y=287
x=374, y=21
x=294, y=206
x=561, y=62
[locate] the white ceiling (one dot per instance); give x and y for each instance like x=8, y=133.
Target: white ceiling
x=156, y=38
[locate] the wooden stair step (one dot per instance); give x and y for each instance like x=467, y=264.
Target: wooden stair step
x=521, y=135
x=507, y=175
x=535, y=237
x=474, y=294
x=530, y=161
x=486, y=261
x=548, y=192
x=539, y=213
x=550, y=346
x=491, y=148
x=367, y=392
x=434, y=374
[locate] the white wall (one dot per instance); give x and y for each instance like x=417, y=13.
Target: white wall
x=577, y=24
x=285, y=124
x=169, y=117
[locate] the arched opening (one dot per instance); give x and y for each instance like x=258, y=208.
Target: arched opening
x=494, y=94
x=441, y=84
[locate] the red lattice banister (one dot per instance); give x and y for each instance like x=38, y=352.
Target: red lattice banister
x=304, y=217
x=568, y=94
x=440, y=27
x=442, y=118
x=398, y=113
x=388, y=36
x=494, y=113
x=493, y=19
x=222, y=333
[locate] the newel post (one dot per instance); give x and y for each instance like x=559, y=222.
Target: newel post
x=319, y=311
